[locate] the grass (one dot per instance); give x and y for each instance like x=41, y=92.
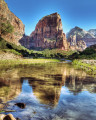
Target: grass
x=24, y=62
x=89, y=68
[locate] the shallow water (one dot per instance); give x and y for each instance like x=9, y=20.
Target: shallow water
x=53, y=91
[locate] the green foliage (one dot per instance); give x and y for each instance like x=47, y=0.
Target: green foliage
x=57, y=53
x=88, y=53
x=12, y=51
x=24, y=62
x=5, y=26
x=88, y=67
x=18, y=50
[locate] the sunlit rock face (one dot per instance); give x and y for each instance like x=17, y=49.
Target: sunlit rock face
x=48, y=33
x=18, y=32
x=79, y=39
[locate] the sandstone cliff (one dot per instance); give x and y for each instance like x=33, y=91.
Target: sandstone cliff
x=17, y=24
x=48, y=33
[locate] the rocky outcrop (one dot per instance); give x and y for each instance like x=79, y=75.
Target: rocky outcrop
x=77, y=34
x=17, y=24
x=48, y=33
x=79, y=45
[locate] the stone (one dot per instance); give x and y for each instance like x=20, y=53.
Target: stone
x=48, y=33
x=20, y=105
x=9, y=117
x=2, y=116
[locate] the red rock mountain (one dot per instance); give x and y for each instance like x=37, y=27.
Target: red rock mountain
x=48, y=33
x=17, y=24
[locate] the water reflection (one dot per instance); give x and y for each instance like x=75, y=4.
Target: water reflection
x=50, y=92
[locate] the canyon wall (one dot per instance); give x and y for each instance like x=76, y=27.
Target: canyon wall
x=6, y=16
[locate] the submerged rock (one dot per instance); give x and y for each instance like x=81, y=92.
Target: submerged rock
x=20, y=105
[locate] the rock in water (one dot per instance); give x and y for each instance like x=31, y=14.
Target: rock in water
x=48, y=33
x=9, y=117
x=21, y=105
x=2, y=116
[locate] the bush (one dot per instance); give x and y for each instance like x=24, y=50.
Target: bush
x=5, y=26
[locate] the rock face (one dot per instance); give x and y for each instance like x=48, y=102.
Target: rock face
x=78, y=45
x=92, y=31
x=17, y=24
x=47, y=34
x=77, y=34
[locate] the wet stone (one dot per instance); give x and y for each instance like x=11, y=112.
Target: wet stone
x=9, y=117
x=20, y=105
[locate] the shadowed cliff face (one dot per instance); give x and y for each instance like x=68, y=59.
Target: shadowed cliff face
x=7, y=15
x=47, y=34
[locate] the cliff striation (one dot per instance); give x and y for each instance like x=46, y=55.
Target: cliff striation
x=7, y=17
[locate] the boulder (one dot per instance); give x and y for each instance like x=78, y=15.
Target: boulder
x=9, y=117
x=2, y=116
x=20, y=105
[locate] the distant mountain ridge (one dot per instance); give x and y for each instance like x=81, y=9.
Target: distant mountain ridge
x=93, y=32
x=77, y=34
x=81, y=33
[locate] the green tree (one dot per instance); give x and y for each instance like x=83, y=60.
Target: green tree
x=6, y=28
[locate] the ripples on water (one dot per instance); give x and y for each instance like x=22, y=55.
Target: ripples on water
x=53, y=91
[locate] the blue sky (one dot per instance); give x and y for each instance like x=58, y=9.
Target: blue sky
x=81, y=13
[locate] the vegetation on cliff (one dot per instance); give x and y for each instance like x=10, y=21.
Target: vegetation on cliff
x=10, y=24
x=5, y=26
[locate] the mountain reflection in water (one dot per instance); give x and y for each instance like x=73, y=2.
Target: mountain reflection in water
x=53, y=91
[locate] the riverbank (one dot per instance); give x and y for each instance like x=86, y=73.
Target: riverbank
x=24, y=62
x=88, y=65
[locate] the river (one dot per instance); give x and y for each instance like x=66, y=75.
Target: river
x=50, y=91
